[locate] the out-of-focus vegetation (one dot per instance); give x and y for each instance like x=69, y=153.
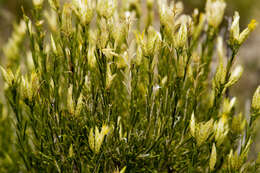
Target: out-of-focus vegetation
x=246, y=8
x=10, y=11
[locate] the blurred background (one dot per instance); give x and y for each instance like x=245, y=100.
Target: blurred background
x=249, y=55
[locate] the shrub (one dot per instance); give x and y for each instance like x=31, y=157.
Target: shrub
x=102, y=90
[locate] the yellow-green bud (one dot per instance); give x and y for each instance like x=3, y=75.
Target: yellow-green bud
x=123, y=170
x=238, y=124
x=119, y=30
x=150, y=44
x=8, y=75
x=71, y=152
x=220, y=75
x=153, y=41
x=109, y=78
x=182, y=36
x=91, y=140
x=221, y=129
x=91, y=56
x=235, y=76
x=165, y=12
x=95, y=141
x=84, y=10
x=79, y=105
x=98, y=140
x=164, y=80
x=202, y=132
x=105, y=129
x=103, y=35
x=53, y=45
x=228, y=105
x=251, y=27
x=124, y=60
x=213, y=158
x=30, y=27
x=234, y=162
x=106, y=8
x=67, y=18
x=256, y=101
x=235, y=36
x=29, y=87
x=192, y=125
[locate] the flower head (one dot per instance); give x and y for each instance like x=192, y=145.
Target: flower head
x=256, y=101
x=235, y=30
x=37, y=3
x=84, y=10
x=235, y=36
x=106, y=8
x=215, y=10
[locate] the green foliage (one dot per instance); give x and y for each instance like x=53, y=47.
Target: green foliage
x=102, y=90
x=8, y=153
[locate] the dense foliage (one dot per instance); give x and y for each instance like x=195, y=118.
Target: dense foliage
x=105, y=88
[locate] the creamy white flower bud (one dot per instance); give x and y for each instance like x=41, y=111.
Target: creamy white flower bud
x=215, y=10
x=234, y=30
x=182, y=36
x=84, y=10
x=37, y=3
x=166, y=12
x=232, y=103
x=235, y=36
x=235, y=75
